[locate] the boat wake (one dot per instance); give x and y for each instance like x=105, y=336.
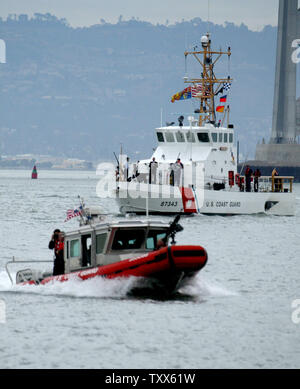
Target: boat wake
x=202, y=288
x=95, y=287
x=198, y=289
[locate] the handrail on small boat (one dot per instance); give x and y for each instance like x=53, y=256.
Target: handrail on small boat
x=14, y=261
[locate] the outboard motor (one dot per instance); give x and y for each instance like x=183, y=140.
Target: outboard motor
x=28, y=275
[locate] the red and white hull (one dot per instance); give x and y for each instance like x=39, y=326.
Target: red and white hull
x=177, y=200
x=167, y=268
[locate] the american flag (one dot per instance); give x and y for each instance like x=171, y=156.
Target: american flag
x=72, y=213
x=196, y=90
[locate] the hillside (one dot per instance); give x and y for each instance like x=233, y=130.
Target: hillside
x=80, y=92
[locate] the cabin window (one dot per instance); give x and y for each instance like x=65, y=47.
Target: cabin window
x=128, y=239
x=203, y=137
x=225, y=138
x=180, y=137
x=230, y=138
x=74, y=248
x=160, y=137
x=220, y=137
x=214, y=136
x=190, y=137
x=100, y=243
x=86, y=246
x=169, y=137
x=153, y=237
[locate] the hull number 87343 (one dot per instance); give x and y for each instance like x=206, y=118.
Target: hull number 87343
x=169, y=204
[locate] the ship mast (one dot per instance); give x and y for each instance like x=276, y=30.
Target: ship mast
x=209, y=84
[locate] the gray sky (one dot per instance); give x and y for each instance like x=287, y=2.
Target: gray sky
x=254, y=13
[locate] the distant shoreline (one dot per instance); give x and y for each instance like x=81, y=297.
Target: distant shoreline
x=45, y=168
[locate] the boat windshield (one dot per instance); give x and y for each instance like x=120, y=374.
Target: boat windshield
x=132, y=239
x=153, y=237
x=128, y=239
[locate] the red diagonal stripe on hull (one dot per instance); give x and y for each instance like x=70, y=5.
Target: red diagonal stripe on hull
x=188, y=200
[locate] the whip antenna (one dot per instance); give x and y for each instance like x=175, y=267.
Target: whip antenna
x=208, y=15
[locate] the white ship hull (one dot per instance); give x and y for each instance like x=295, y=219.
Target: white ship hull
x=203, y=201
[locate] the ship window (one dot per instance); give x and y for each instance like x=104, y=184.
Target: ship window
x=190, y=137
x=214, y=136
x=203, y=137
x=231, y=138
x=153, y=237
x=74, y=248
x=160, y=136
x=220, y=137
x=128, y=239
x=100, y=243
x=169, y=137
x=180, y=137
x=225, y=138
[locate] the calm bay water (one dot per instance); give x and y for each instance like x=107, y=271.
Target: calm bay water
x=237, y=313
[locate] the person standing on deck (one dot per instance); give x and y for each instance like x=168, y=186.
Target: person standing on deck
x=126, y=169
x=248, y=175
x=257, y=175
x=57, y=243
x=276, y=181
x=178, y=169
x=152, y=171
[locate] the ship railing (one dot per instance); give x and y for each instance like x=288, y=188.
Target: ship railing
x=282, y=184
x=17, y=261
x=278, y=184
x=166, y=175
x=162, y=175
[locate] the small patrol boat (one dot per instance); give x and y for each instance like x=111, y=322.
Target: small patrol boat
x=140, y=248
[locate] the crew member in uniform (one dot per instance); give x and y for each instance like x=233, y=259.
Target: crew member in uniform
x=57, y=243
x=257, y=175
x=248, y=175
x=276, y=181
x=153, y=170
x=178, y=169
